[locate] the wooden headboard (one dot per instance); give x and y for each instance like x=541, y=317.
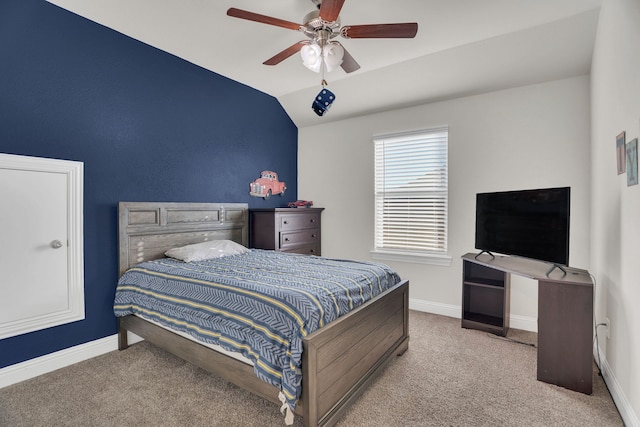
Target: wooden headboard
x=146, y=230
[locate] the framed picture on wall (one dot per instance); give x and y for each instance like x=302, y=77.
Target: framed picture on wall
x=632, y=162
x=620, y=152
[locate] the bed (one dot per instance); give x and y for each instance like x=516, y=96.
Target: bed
x=338, y=360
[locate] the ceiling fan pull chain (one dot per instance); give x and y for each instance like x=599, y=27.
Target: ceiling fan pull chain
x=324, y=83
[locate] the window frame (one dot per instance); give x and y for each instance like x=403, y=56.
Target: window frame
x=434, y=257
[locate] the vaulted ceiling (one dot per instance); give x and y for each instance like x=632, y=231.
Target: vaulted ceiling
x=463, y=47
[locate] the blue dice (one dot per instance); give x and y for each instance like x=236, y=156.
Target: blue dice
x=323, y=101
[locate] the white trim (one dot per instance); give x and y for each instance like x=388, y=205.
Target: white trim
x=19, y=372
x=435, y=308
x=32, y=368
x=629, y=417
x=515, y=321
x=74, y=310
x=413, y=257
x=523, y=323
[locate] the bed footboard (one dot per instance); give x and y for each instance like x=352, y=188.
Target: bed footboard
x=339, y=360
x=343, y=358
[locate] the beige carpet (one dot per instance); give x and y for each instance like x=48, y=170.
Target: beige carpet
x=449, y=377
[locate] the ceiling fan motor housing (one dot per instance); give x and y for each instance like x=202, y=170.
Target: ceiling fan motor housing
x=319, y=30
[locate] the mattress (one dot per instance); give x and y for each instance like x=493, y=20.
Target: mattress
x=260, y=304
x=219, y=349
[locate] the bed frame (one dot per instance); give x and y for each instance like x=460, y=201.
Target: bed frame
x=339, y=360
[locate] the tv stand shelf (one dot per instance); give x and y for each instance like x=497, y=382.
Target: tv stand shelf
x=565, y=313
x=485, y=298
x=481, y=321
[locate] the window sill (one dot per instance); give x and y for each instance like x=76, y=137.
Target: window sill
x=414, y=257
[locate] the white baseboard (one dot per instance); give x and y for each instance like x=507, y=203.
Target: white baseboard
x=434, y=307
x=629, y=417
x=523, y=323
x=48, y=363
x=515, y=321
x=41, y=365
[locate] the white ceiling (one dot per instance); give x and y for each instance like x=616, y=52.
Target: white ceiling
x=463, y=47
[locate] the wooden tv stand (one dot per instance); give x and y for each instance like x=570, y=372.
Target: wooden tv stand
x=565, y=313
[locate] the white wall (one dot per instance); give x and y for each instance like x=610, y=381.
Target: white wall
x=615, y=227
x=528, y=137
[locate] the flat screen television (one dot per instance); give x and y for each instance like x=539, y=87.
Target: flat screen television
x=527, y=223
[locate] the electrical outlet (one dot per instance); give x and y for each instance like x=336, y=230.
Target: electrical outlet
x=608, y=327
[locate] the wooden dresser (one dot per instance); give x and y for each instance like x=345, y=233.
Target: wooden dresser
x=295, y=230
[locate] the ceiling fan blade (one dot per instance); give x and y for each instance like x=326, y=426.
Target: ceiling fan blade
x=406, y=30
x=330, y=9
x=291, y=50
x=349, y=65
x=256, y=17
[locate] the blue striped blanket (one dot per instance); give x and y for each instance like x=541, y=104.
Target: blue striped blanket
x=260, y=304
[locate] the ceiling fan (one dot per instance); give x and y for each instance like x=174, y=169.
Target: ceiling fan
x=321, y=26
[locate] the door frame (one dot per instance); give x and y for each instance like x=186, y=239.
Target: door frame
x=75, y=253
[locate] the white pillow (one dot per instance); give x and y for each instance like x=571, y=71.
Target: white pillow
x=206, y=250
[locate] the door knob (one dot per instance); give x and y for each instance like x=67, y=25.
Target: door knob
x=56, y=244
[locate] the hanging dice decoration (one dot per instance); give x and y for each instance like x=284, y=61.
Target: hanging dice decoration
x=323, y=101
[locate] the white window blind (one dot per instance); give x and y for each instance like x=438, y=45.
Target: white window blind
x=411, y=185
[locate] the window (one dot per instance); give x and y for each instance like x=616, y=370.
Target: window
x=411, y=196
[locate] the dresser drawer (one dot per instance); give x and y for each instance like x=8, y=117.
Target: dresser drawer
x=304, y=250
x=297, y=238
x=298, y=221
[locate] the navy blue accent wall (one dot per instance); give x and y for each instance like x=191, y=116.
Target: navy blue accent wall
x=148, y=127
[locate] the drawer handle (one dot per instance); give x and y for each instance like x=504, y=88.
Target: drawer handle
x=312, y=220
x=313, y=235
x=312, y=250
x=286, y=222
x=286, y=239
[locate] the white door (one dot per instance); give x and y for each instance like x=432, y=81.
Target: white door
x=37, y=275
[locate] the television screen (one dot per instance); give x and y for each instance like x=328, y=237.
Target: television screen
x=528, y=223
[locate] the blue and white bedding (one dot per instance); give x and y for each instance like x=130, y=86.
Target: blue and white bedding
x=260, y=304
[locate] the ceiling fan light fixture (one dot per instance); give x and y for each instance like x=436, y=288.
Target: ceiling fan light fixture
x=312, y=56
x=332, y=54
